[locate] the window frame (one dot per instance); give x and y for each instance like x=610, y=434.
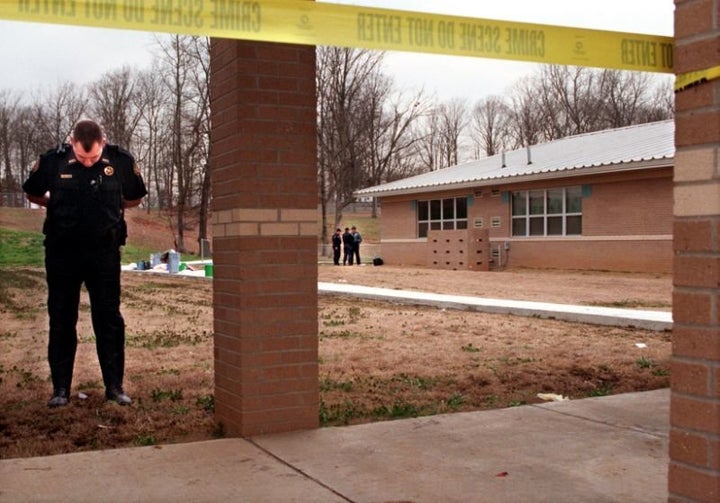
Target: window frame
x=436, y=209
x=537, y=219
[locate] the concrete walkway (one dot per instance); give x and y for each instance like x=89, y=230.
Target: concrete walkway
x=608, y=449
x=651, y=320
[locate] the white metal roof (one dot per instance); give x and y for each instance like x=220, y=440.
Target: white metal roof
x=640, y=146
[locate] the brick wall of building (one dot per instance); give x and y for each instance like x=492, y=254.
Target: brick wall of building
x=694, y=472
x=633, y=255
x=627, y=225
x=264, y=236
x=630, y=208
x=399, y=219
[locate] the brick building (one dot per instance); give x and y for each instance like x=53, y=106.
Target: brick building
x=600, y=200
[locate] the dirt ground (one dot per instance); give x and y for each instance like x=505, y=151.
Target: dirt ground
x=627, y=290
x=377, y=361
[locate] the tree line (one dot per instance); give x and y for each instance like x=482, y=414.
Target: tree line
x=161, y=114
x=369, y=130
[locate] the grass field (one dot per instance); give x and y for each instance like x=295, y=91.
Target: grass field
x=149, y=232
x=376, y=360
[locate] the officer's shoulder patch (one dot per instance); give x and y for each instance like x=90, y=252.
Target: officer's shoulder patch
x=49, y=153
x=136, y=169
x=117, y=149
x=119, y=157
x=60, y=151
x=35, y=166
x=109, y=171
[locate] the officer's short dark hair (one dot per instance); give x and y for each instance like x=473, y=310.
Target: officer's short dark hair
x=87, y=132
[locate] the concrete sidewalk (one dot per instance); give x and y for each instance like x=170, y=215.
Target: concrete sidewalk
x=651, y=320
x=608, y=449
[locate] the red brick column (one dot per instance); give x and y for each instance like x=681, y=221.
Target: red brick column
x=694, y=472
x=263, y=164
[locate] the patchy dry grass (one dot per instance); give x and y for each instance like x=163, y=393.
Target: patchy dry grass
x=380, y=361
x=377, y=361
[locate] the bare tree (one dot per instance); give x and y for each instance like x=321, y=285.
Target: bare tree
x=526, y=116
x=201, y=128
x=429, y=141
x=26, y=140
x=453, y=119
x=345, y=79
x=152, y=137
x=572, y=100
x=390, y=135
x=439, y=134
x=112, y=103
x=368, y=132
x=57, y=111
x=661, y=104
x=9, y=104
x=489, y=124
x=185, y=59
x=561, y=101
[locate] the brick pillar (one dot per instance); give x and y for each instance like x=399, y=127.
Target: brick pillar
x=694, y=472
x=264, y=181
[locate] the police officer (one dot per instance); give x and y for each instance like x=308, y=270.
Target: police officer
x=348, y=241
x=85, y=185
x=337, y=246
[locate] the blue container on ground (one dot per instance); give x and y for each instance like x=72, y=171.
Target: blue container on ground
x=173, y=262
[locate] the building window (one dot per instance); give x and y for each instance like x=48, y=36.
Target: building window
x=550, y=212
x=441, y=214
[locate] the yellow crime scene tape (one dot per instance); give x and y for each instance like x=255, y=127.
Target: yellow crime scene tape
x=318, y=23
x=690, y=79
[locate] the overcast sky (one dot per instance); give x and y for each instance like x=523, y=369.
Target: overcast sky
x=38, y=56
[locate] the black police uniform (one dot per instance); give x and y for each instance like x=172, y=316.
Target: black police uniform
x=84, y=229
x=337, y=247
x=348, y=242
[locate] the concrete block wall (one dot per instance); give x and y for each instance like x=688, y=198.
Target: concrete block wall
x=694, y=471
x=263, y=163
x=459, y=250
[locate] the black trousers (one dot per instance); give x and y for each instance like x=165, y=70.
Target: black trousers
x=347, y=255
x=96, y=264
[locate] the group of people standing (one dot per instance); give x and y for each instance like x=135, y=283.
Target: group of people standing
x=349, y=243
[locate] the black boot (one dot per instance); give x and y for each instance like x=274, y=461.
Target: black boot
x=118, y=395
x=60, y=398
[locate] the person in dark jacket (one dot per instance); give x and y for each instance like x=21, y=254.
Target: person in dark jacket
x=85, y=185
x=348, y=241
x=357, y=239
x=337, y=246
